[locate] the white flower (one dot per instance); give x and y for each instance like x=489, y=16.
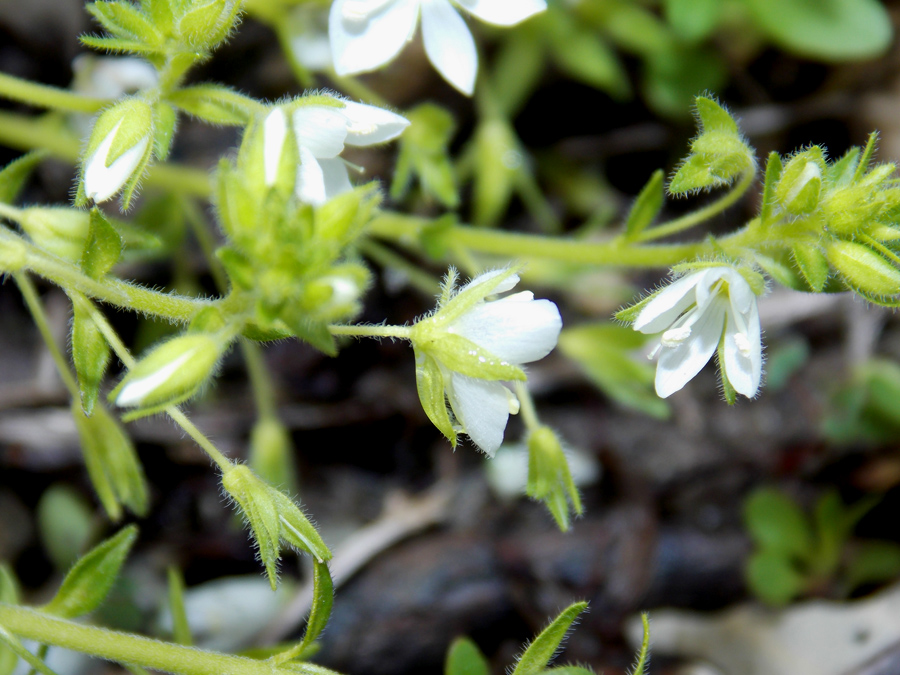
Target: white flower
x=497, y=336
x=696, y=314
x=366, y=34
x=321, y=132
x=102, y=178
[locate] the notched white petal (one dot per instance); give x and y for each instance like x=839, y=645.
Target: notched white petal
x=274, y=135
x=310, y=187
x=667, y=305
x=365, y=37
x=482, y=407
x=320, y=129
x=503, y=12
x=368, y=124
x=680, y=363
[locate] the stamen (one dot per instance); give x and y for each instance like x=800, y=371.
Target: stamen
x=743, y=344
x=675, y=336
x=513, y=402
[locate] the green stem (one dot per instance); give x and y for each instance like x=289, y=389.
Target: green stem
x=44, y=96
x=613, y=253
x=124, y=647
x=40, y=319
x=527, y=409
x=696, y=217
x=131, y=296
x=385, y=257
x=402, y=332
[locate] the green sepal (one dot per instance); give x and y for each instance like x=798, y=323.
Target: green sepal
x=160, y=13
x=311, y=331
x=773, y=173
x=14, y=174
x=646, y=207
x=813, y=265
x=123, y=19
x=550, y=478
x=215, y=104
x=866, y=158
x=466, y=298
x=89, y=581
x=630, y=314
x=60, y=230
x=111, y=461
x=465, y=658
x=119, y=45
x=90, y=352
x=238, y=268
x=863, y=269
x=842, y=171
x=430, y=386
x=463, y=356
x=296, y=529
x=261, y=513
x=103, y=248
x=800, y=184
x=165, y=118
x=541, y=650
x=728, y=391
x=181, y=630
x=203, y=26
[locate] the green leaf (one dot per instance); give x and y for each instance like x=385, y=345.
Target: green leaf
x=646, y=207
x=583, y=55
x=296, y=529
x=160, y=12
x=693, y=20
x=777, y=524
x=215, y=104
x=674, y=76
x=813, y=265
x=64, y=520
x=518, y=65
x=119, y=45
x=545, y=645
x=181, y=630
x=14, y=174
x=424, y=150
x=497, y=157
x=773, y=578
x=773, y=173
x=9, y=594
x=464, y=658
x=103, y=248
x=873, y=562
x=91, y=578
x=311, y=331
x=831, y=30
x=201, y=23
x=430, y=386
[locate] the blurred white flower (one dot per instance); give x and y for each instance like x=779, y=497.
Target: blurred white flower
x=696, y=314
x=366, y=34
x=322, y=131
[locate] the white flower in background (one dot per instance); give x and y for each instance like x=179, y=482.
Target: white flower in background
x=321, y=132
x=696, y=314
x=112, y=76
x=470, y=346
x=366, y=34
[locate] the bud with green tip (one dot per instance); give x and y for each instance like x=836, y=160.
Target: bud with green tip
x=273, y=519
x=117, y=153
x=800, y=184
x=549, y=477
x=171, y=373
x=59, y=230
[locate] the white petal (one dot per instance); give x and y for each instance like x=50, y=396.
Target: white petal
x=742, y=296
x=368, y=124
x=667, y=305
x=482, y=407
x=503, y=12
x=310, y=187
x=678, y=365
x=320, y=129
x=506, y=285
x=334, y=177
x=517, y=328
x=743, y=352
x=134, y=392
x=362, y=44
x=274, y=133
x=101, y=182
x=449, y=44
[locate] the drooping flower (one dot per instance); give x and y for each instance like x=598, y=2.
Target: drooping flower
x=708, y=309
x=470, y=346
x=322, y=131
x=366, y=34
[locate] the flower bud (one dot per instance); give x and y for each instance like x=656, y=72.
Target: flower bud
x=800, y=184
x=549, y=477
x=170, y=374
x=13, y=255
x=272, y=453
x=119, y=148
x=59, y=230
x=863, y=269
